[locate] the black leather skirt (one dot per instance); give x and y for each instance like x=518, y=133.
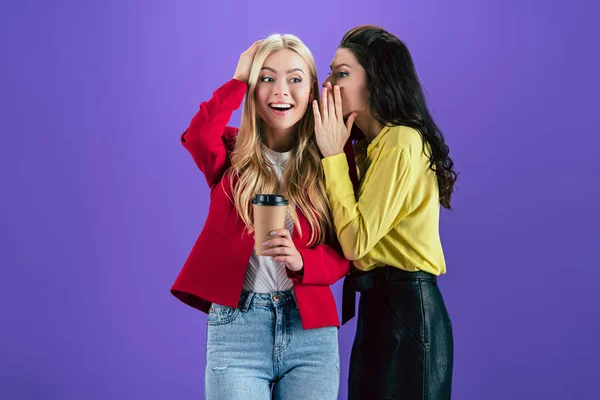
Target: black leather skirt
x=403, y=347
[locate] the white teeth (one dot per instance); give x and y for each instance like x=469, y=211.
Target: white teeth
x=282, y=106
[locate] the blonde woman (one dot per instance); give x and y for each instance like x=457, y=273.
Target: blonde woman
x=272, y=323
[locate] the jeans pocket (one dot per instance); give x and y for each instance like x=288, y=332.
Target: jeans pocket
x=221, y=315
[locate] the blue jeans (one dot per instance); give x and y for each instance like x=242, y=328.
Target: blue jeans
x=259, y=350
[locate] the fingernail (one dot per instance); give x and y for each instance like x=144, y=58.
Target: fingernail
x=265, y=243
x=266, y=252
x=273, y=233
x=337, y=87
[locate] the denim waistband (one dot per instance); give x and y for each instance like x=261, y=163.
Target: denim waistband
x=273, y=299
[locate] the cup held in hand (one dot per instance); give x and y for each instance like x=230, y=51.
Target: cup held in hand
x=269, y=215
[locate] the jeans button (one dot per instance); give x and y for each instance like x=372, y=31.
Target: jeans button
x=276, y=298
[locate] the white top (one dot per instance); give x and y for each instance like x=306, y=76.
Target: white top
x=265, y=275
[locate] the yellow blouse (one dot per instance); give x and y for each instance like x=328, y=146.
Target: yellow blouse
x=396, y=218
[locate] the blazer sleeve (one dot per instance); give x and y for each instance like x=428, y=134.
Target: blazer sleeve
x=323, y=265
x=208, y=138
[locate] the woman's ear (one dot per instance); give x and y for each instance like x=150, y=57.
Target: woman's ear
x=311, y=96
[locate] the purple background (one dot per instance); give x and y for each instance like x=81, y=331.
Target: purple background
x=101, y=205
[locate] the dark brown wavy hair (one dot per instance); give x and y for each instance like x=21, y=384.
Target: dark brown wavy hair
x=396, y=96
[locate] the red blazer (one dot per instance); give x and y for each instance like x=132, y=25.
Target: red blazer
x=216, y=267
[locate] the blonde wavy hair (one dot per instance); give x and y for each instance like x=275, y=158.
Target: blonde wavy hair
x=303, y=175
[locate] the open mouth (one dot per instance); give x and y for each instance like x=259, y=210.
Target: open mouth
x=281, y=108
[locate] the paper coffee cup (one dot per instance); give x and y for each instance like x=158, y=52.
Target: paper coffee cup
x=269, y=215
